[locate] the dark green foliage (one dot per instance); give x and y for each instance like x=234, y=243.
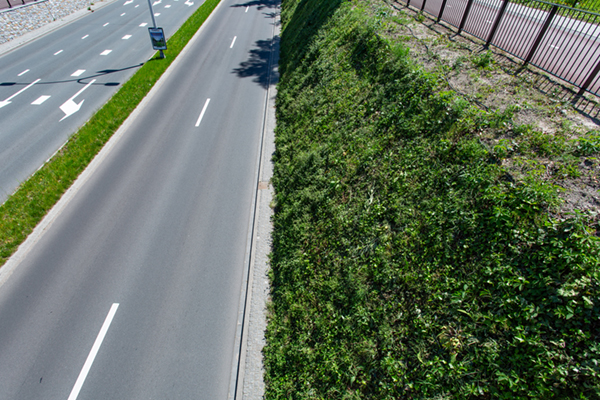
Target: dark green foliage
x=405, y=263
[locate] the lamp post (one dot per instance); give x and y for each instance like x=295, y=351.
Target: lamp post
x=154, y=28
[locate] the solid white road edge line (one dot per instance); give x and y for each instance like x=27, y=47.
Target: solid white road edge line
x=202, y=113
x=90, y=359
x=233, y=42
x=13, y=262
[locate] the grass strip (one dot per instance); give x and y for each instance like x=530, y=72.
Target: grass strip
x=25, y=208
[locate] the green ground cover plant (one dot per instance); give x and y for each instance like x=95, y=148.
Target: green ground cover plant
x=25, y=208
x=409, y=261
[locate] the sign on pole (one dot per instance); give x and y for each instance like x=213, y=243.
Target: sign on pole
x=157, y=36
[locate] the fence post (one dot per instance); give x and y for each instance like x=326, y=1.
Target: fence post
x=441, y=10
x=465, y=15
x=590, y=79
x=497, y=23
x=540, y=36
x=407, y=3
x=9, y=5
x=423, y=5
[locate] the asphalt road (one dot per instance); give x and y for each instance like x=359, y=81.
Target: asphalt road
x=43, y=83
x=138, y=280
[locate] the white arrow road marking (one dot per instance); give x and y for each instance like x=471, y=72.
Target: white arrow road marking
x=23, y=73
x=7, y=101
x=40, y=100
x=70, y=107
x=202, y=113
x=93, y=352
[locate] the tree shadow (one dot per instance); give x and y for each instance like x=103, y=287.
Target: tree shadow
x=261, y=4
x=262, y=63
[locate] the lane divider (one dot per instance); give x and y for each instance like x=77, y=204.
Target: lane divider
x=90, y=359
x=233, y=42
x=202, y=113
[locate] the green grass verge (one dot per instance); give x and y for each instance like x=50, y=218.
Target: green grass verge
x=23, y=210
x=407, y=263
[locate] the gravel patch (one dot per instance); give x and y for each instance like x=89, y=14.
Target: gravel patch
x=17, y=21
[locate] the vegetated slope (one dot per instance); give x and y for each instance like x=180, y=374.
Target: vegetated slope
x=406, y=263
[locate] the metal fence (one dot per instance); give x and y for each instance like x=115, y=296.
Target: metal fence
x=562, y=41
x=12, y=3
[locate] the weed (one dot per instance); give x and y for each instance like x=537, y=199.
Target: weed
x=483, y=60
x=408, y=262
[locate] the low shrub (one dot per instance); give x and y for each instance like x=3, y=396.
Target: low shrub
x=406, y=262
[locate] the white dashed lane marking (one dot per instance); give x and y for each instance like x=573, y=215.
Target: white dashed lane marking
x=40, y=100
x=105, y=52
x=78, y=72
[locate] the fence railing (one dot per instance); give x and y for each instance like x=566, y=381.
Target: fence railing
x=560, y=40
x=12, y=3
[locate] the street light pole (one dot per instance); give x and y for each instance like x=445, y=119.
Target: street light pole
x=162, y=55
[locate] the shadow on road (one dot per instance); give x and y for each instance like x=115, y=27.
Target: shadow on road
x=259, y=64
x=81, y=80
x=261, y=4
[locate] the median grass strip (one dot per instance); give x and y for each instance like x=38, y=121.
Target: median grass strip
x=410, y=259
x=24, y=209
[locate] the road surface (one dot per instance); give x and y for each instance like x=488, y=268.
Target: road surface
x=133, y=291
x=43, y=84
